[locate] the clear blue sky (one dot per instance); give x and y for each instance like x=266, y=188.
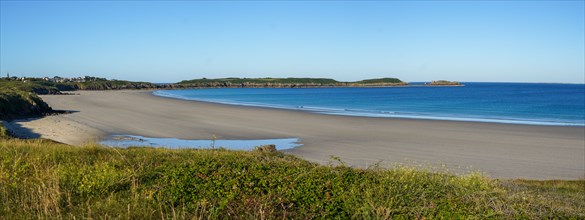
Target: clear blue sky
x=492, y=41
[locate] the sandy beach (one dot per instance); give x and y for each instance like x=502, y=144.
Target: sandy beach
x=498, y=150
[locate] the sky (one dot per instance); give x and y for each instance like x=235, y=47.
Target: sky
x=156, y=41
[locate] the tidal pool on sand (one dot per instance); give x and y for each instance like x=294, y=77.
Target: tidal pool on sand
x=133, y=140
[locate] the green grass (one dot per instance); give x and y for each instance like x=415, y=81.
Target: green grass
x=42, y=179
x=3, y=132
x=16, y=103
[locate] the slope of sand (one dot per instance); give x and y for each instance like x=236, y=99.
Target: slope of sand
x=58, y=128
x=499, y=150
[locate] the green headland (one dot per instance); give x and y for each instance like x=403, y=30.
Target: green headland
x=289, y=82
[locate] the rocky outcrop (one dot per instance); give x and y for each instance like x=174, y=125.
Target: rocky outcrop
x=444, y=83
x=266, y=148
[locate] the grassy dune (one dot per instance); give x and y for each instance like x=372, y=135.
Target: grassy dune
x=43, y=179
x=16, y=103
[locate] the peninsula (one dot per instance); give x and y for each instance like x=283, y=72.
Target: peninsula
x=286, y=83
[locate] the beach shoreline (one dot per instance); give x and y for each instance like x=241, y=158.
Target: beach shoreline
x=499, y=150
x=379, y=114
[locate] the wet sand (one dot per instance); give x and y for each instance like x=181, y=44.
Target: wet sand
x=498, y=150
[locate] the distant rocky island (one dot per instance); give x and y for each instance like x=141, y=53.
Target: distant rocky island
x=444, y=83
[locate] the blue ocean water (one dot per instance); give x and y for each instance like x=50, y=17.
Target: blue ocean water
x=519, y=103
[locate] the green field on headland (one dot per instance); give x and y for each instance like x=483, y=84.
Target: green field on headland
x=288, y=82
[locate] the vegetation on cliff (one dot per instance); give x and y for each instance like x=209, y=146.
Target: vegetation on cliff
x=31, y=85
x=42, y=179
x=380, y=82
x=16, y=103
x=286, y=82
x=260, y=81
x=40, y=86
x=444, y=83
x=111, y=85
x=44, y=86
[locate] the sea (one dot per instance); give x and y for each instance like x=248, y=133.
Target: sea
x=515, y=103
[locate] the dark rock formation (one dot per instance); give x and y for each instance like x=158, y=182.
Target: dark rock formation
x=266, y=148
